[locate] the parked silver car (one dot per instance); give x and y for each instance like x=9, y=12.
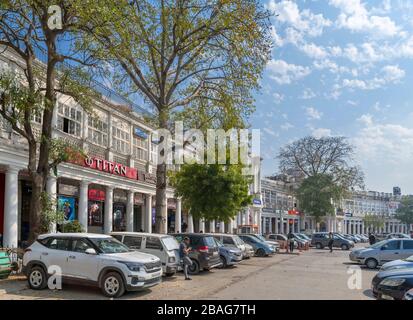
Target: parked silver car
x=382, y=252
x=232, y=240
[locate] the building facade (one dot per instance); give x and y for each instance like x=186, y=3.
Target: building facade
x=372, y=203
x=279, y=213
x=112, y=189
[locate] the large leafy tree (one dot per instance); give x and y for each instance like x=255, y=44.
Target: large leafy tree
x=29, y=89
x=199, y=60
x=374, y=221
x=405, y=211
x=221, y=191
x=317, y=194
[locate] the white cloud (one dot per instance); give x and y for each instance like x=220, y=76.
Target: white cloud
x=321, y=132
x=287, y=126
x=285, y=73
x=313, y=114
x=314, y=51
x=355, y=16
x=270, y=132
x=390, y=143
x=304, y=21
x=391, y=74
x=308, y=94
x=278, y=97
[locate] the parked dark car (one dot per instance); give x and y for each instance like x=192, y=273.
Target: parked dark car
x=321, y=239
x=392, y=284
x=204, y=253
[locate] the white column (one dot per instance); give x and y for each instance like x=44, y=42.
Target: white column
x=178, y=216
x=129, y=211
x=201, y=225
x=83, y=210
x=212, y=226
x=276, y=225
x=222, y=227
x=10, y=233
x=362, y=227
x=190, y=224
x=282, y=225
x=148, y=213
x=269, y=225
x=108, y=224
x=51, y=189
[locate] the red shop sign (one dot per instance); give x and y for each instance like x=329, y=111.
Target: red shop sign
x=110, y=167
x=96, y=195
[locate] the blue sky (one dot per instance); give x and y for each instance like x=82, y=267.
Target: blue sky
x=342, y=67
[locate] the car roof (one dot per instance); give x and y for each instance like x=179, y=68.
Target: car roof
x=222, y=234
x=74, y=235
x=191, y=234
x=146, y=234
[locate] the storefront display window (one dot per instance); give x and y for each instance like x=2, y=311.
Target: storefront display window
x=119, y=217
x=95, y=214
x=67, y=205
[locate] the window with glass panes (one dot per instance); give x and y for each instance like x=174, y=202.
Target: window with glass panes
x=140, y=148
x=98, y=129
x=120, y=136
x=69, y=119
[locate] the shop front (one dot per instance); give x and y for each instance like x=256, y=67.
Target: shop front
x=96, y=208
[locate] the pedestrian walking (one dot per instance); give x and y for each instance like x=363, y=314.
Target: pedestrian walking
x=331, y=241
x=372, y=239
x=291, y=241
x=184, y=250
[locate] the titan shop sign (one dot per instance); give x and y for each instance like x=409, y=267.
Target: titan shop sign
x=111, y=167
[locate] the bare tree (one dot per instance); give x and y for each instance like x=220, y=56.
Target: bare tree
x=312, y=156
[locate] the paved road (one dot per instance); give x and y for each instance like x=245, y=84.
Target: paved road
x=314, y=274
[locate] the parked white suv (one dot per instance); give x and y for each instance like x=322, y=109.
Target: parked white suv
x=93, y=259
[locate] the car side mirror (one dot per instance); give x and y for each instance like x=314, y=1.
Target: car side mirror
x=91, y=251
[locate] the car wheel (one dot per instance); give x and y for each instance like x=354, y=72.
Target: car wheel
x=344, y=247
x=261, y=253
x=224, y=262
x=112, y=285
x=318, y=245
x=194, y=267
x=37, y=278
x=371, y=263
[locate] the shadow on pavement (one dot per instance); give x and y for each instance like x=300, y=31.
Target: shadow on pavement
x=369, y=293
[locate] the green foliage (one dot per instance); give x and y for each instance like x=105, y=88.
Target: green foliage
x=405, y=211
x=72, y=227
x=50, y=215
x=374, y=221
x=317, y=194
x=212, y=191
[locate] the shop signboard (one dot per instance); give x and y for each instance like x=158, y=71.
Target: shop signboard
x=140, y=133
x=67, y=206
x=147, y=177
x=68, y=190
x=256, y=201
x=294, y=212
x=110, y=167
x=96, y=195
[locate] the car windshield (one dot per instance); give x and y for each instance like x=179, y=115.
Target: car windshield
x=260, y=237
x=299, y=236
x=219, y=243
x=170, y=243
x=238, y=240
x=110, y=245
x=209, y=241
x=378, y=244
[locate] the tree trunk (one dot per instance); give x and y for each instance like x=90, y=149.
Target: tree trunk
x=161, y=207
x=161, y=215
x=35, y=206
